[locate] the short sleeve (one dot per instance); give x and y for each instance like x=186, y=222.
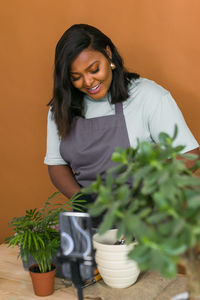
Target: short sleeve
x=53, y=156
x=163, y=116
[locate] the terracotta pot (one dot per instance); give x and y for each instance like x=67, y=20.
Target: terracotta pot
x=31, y=261
x=43, y=283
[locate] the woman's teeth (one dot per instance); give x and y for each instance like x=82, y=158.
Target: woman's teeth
x=94, y=88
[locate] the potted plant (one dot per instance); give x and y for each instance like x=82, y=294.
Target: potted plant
x=116, y=269
x=36, y=233
x=150, y=195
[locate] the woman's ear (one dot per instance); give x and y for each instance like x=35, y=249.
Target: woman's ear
x=109, y=52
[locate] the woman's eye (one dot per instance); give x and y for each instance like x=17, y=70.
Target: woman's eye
x=75, y=78
x=95, y=71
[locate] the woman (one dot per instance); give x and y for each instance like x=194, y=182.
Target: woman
x=98, y=105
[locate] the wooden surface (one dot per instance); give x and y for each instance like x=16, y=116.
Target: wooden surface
x=15, y=284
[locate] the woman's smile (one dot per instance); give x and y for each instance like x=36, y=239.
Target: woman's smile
x=95, y=89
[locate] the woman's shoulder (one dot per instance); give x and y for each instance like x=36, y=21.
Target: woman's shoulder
x=144, y=93
x=146, y=86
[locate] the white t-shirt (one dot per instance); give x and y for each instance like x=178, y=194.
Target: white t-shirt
x=149, y=110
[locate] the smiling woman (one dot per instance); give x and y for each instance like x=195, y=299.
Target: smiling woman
x=98, y=105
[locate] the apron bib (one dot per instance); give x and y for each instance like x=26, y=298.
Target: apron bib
x=89, y=146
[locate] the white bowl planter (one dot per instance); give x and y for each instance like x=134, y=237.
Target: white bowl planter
x=115, y=268
x=183, y=296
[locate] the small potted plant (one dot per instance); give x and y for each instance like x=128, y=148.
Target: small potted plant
x=36, y=233
x=150, y=195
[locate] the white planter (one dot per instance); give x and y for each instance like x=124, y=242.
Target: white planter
x=183, y=296
x=115, y=268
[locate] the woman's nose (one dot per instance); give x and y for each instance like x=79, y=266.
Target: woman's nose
x=88, y=80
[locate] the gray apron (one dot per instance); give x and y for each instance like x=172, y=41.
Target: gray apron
x=89, y=146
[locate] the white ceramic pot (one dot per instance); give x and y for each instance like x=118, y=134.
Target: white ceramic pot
x=115, y=268
x=183, y=296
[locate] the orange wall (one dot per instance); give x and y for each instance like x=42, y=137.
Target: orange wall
x=158, y=39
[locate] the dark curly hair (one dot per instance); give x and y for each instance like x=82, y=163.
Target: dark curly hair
x=67, y=101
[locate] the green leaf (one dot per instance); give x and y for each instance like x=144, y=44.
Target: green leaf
x=14, y=241
x=144, y=212
x=190, y=156
x=179, y=226
x=123, y=194
x=141, y=254
x=189, y=237
x=25, y=239
x=164, y=138
x=109, y=180
x=108, y=221
x=29, y=240
x=116, y=157
x=174, y=247
x=194, y=202
x=53, y=196
x=121, y=230
x=41, y=241
x=175, y=132
x=162, y=263
x=96, y=210
x=157, y=217
x=35, y=241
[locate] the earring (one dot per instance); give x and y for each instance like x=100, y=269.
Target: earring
x=112, y=65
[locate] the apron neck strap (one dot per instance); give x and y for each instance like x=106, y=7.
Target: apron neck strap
x=119, y=108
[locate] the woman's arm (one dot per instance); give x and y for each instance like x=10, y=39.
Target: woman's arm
x=63, y=179
x=60, y=173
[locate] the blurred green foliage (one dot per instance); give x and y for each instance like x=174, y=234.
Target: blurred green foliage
x=150, y=195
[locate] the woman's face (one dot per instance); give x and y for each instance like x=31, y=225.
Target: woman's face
x=91, y=73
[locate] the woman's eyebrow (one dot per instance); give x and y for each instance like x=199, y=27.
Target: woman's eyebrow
x=87, y=67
